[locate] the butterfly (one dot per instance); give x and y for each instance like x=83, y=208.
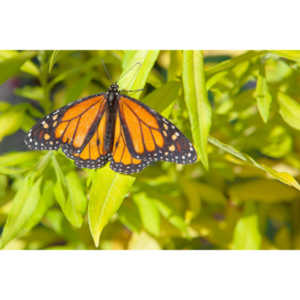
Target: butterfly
x=111, y=127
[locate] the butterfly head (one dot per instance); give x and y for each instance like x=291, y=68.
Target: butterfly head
x=112, y=92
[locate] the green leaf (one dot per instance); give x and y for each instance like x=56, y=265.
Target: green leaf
x=28, y=67
x=52, y=60
x=107, y=193
x=161, y=98
x=4, y=106
x=273, y=191
x=263, y=97
x=289, y=54
x=10, y=121
x=246, y=233
x=129, y=216
x=31, y=92
x=143, y=241
x=137, y=67
x=148, y=212
x=17, y=158
x=289, y=110
x=247, y=160
x=169, y=212
x=69, y=195
x=78, y=87
x=23, y=207
x=229, y=64
x=109, y=188
x=175, y=68
x=46, y=200
x=77, y=196
x=195, y=96
x=11, y=66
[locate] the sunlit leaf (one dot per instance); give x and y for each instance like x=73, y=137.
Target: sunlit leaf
x=263, y=97
x=289, y=110
x=23, y=207
x=107, y=193
x=10, y=121
x=195, y=96
x=143, y=241
x=69, y=195
x=28, y=67
x=149, y=213
x=289, y=54
x=11, y=66
x=246, y=234
x=52, y=60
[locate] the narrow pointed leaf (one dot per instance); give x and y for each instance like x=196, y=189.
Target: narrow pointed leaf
x=263, y=97
x=247, y=160
x=195, y=96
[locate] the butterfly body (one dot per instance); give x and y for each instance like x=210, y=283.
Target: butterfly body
x=111, y=127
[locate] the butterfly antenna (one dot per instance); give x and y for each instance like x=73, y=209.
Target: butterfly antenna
x=132, y=91
x=106, y=70
x=130, y=69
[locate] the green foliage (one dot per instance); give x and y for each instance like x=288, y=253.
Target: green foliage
x=242, y=115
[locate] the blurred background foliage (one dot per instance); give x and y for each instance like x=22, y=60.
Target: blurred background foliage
x=240, y=108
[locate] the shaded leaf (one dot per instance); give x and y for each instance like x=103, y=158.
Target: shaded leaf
x=161, y=98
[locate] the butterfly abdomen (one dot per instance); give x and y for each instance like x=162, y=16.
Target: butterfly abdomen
x=112, y=100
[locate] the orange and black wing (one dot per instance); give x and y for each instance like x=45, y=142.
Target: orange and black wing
x=142, y=136
x=78, y=128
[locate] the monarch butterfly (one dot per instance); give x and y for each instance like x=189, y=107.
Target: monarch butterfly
x=111, y=127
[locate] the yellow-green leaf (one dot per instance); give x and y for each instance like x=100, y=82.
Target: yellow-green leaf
x=246, y=159
x=289, y=110
x=11, y=66
x=148, y=212
x=263, y=97
x=23, y=207
x=107, y=193
x=195, y=96
x=10, y=121
x=246, y=233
